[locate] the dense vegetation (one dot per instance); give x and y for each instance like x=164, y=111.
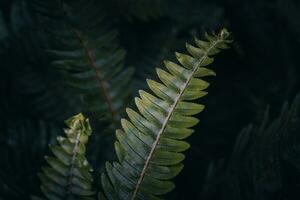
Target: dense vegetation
x=131, y=106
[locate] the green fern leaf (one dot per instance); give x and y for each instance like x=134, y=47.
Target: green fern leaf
x=90, y=59
x=68, y=176
x=150, y=146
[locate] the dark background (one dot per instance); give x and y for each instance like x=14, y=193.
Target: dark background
x=260, y=71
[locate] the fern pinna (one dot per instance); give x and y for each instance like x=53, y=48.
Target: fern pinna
x=149, y=146
x=68, y=176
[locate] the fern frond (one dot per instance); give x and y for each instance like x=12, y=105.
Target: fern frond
x=291, y=138
x=91, y=60
x=255, y=166
x=150, y=146
x=68, y=176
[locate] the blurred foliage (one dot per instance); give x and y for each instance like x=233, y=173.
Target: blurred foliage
x=261, y=69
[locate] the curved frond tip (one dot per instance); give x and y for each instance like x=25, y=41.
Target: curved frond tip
x=149, y=147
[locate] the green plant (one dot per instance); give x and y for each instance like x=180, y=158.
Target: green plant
x=62, y=57
x=69, y=174
x=88, y=55
x=150, y=146
x=261, y=150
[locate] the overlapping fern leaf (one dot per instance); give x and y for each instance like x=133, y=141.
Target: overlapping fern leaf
x=90, y=58
x=68, y=176
x=150, y=146
x=261, y=150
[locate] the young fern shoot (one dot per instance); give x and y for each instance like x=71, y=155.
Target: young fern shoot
x=68, y=176
x=149, y=147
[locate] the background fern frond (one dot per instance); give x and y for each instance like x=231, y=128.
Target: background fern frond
x=69, y=174
x=150, y=146
x=39, y=89
x=261, y=150
x=90, y=59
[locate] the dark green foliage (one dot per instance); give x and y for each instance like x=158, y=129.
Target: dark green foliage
x=150, y=146
x=23, y=145
x=35, y=82
x=86, y=52
x=261, y=69
x=262, y=150
x=160, y=47
x=89, y=57
x=256, y=158
x=69, y=173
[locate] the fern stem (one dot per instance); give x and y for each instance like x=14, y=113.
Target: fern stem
x=164, y=125
x=75, y=149
x=98, y=76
